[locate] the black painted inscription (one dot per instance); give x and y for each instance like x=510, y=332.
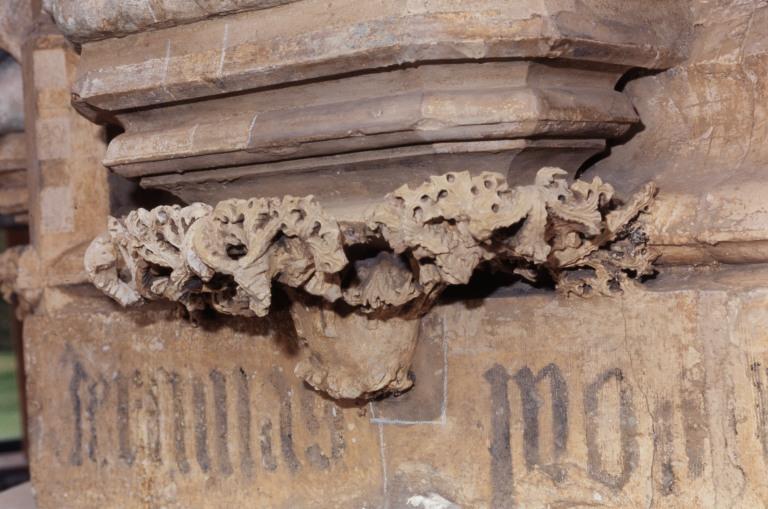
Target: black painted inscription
x=531, y=402
x=244, y=421
x=502, y=496
x=528, y=384
x=286, y=420
x=664, y=447
x=336, y=422
x=78, y=377
x=179, y=424
x=219, y=383
x=124, y=419
x=154, y=431
x=213, y=415
x=268, y=459
x=201, y=425
x=627, y=427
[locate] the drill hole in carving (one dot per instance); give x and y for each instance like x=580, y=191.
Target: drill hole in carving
x=236, y=251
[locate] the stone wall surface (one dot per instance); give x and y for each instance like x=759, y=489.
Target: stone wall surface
x=523, y=398
x=65, y=171
x=705, y=122
x=656, y=399
x=97, y=19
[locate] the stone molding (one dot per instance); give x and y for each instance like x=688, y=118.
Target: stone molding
x=248, y=104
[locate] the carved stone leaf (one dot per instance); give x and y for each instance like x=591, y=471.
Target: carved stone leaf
x=580, y=205
x=19, y=279
x=383, y=281
x=101, y=263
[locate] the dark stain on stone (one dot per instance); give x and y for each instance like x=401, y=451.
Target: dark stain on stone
x=124, y=419
x=695, y=425
x=502, y=496
x=663, y=443
x=201, y=425
x=268, y=459
x=179, y=424
x=154, y=430
x=90, y=410
x=78, y=377
x=244, y=421
x=286, y=420
x=627, y=427
x=313, y=453
x=336, y=421
x=219, y=382
x=531, y=402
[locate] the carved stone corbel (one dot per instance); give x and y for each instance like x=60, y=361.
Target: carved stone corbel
x=358, y=289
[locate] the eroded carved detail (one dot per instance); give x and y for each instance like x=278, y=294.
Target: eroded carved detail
x=14, y=263
x=376, y=276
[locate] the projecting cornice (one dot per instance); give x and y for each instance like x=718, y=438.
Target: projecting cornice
x=248, y=104
x=367, y=282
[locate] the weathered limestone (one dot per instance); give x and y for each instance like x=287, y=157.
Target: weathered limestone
x=381, y=272
x=65, y=174
x=95, y=19
x=19, y=282
x=704, y=141
x=514, y=397
x=523, y=399
x=386, y=93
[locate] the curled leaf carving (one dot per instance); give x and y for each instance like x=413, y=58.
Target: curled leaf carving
x=392, y=263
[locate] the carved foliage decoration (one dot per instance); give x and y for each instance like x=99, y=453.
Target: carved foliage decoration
x=391, y=264
x=421, y=240
x=18, y=283
x=9, y=267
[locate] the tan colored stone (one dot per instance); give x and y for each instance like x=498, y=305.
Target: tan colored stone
x=369, y=89
x=353, y=356
x=650, y=400
x=703, y=141
x=416, y=243
x=154, y=413
x=96, y=19
x=67, y=182
x=439, y=104
x=319, y=38
x=20, y=285
x=522, y=398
